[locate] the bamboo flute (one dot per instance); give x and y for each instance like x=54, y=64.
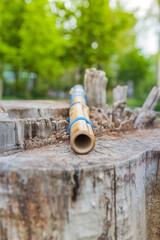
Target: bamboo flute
x=82, y=138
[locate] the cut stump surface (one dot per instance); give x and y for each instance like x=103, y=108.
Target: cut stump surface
x=111, y=193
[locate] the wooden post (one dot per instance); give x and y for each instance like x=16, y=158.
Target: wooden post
x=120, y=93
x=95, y=82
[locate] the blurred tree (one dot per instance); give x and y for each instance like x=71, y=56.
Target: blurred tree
x=11, y=17
x=94, y=31
x=58, y=40
x=153, y=14
x=133, y=67
x=41, y=45
x=124, y=43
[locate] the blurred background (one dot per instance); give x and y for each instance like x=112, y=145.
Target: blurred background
x=46, y=45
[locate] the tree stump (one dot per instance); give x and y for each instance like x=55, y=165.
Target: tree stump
x=27, y=122
x=52, y=193
x=95, y=82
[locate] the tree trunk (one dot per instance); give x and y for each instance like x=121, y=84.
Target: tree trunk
x=81, y=73
x=16, y=87
x=1, y=89
x=27, y=89
x=1, y=80
x=35, y=86
x=36, y=82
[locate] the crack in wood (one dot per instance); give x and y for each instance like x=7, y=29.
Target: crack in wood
x=76, y=186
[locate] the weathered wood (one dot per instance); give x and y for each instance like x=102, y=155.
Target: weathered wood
x=117, y=117
x=120, y=93
x=26, y=124
x=147, y=115
x=114, y=118
x=152, y=99
x=95, y=82
x=111, y=193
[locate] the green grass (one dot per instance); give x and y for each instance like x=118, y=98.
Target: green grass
x=46, y=98
x=134, y=102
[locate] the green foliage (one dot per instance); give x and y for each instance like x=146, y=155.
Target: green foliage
x=41, y=44
x=141, y=71
x=94, y=32
x=134, y=102
x=11, y=17
x=58, y=40
x=133, y=66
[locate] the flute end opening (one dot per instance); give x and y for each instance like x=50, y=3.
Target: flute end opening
x=83, y=143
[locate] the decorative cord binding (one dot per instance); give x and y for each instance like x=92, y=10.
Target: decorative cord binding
x=78, y=86
x=77, y=119
x=75, y=103
x=78, y=94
